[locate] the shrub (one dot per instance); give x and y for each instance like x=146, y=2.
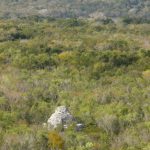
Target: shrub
x=123, y=59
x=55, y=140
x=146, y=74
x=110, y=124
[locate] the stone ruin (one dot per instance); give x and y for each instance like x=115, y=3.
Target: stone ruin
x=62, y=117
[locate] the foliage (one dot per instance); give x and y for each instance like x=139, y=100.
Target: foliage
x=132, y=11
x=101, y=71
x=55, y=140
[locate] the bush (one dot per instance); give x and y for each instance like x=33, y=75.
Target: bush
x=55, y=140
x=110, y=124
x=123, y=59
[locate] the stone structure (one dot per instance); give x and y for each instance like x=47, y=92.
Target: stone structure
x=60, y=117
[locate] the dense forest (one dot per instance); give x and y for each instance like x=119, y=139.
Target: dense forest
x=99, y=70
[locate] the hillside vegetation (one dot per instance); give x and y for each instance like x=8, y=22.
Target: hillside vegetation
x=100, y=71
x=133, y=9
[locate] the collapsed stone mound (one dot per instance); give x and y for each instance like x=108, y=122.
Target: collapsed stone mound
x=61, y=116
